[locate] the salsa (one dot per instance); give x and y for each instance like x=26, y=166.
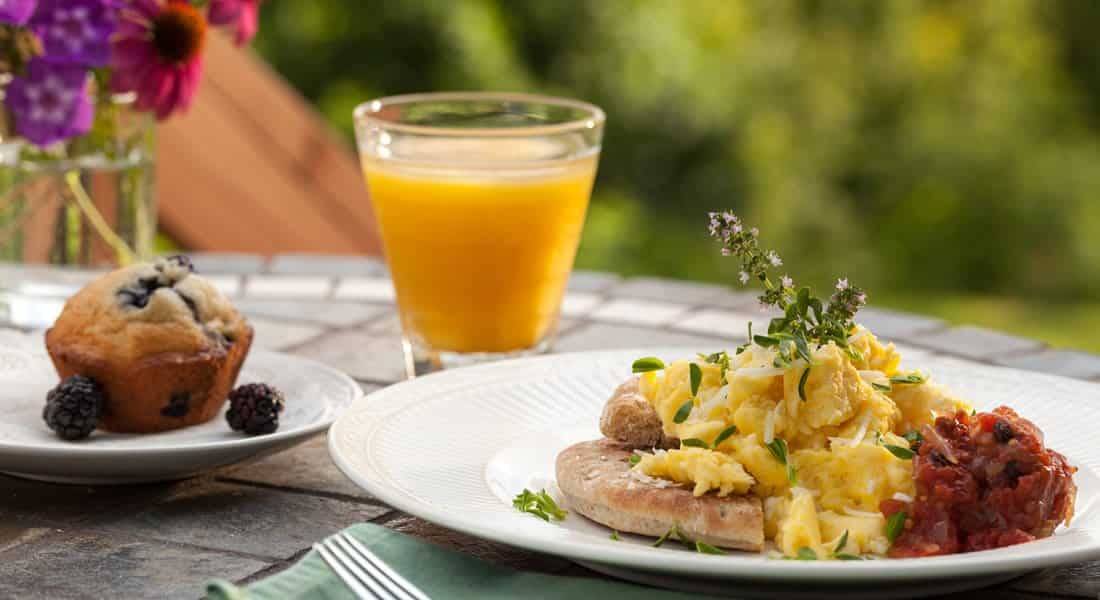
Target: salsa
x=983, y=481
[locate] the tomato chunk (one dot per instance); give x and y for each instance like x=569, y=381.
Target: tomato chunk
x=983, y=481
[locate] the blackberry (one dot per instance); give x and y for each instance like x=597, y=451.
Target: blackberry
x=254, y=408
x=73, y=407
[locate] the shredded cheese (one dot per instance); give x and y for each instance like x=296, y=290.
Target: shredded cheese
x=853, y=512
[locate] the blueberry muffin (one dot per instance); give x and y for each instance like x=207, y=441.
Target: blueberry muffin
x=163, y=343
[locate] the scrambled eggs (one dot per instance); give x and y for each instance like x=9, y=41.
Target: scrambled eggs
x=814, y=446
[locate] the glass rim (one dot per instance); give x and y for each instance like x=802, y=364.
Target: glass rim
x=367, y=112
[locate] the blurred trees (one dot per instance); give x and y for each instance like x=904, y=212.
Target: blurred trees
x=937, y=145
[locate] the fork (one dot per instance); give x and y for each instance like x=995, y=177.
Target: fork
x=363, y=572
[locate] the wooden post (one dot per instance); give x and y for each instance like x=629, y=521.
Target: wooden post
x=252, y=168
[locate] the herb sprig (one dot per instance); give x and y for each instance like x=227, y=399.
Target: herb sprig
x=539, y=504
x=807, y=320
x=778, y=448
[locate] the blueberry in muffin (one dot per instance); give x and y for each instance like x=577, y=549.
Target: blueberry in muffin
x=164, y=345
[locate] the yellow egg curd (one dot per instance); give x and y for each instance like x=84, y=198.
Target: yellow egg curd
x=817, y=441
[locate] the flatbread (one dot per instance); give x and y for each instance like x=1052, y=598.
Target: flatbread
x=596, y=481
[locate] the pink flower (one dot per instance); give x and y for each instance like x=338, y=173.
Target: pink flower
x=157, y=53
x=242, y=14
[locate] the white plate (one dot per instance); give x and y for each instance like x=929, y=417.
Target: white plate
x=454, y=447
x=315, y=395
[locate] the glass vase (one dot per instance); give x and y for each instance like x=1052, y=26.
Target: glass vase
x=86, y=202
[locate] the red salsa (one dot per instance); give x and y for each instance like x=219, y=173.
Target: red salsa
x=983, y=481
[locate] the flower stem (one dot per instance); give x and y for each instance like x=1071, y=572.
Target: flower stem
x=95, y=219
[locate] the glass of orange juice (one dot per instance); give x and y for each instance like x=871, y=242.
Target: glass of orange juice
x=480, y=200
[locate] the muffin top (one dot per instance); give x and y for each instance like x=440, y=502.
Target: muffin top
x=146, y=309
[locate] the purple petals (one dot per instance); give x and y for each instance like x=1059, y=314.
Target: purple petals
x=50, y=102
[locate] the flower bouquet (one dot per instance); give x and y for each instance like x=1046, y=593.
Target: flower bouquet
x=83, y=84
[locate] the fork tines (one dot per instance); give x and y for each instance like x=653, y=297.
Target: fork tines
x=364, y=572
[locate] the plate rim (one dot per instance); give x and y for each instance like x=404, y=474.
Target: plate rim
x=88, y=449
x=750, y=567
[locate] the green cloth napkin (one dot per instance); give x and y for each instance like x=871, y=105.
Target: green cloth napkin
x=441, y=573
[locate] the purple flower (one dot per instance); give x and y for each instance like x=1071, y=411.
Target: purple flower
x=50, y=102
x=16, y=12
x=75, y=31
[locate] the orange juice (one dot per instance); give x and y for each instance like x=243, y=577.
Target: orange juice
x=480, y=257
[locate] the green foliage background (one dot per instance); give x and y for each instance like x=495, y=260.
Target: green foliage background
x=944, y=154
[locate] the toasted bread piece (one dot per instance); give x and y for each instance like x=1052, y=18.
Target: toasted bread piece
x=628, y=418
x=596, y=481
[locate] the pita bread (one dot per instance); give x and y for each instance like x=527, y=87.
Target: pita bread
x=596, y=481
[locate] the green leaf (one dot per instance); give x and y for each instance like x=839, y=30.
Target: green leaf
x=803, y=347
x=663, y=538
x=705, y=548
x=615, y=535
x=693, y=443
x=846, y=556
x=802, y=384
x=778, y=448
x=696, y=376
x=635, y=459
x=882, y=387
x=816, y=309
x=899, y=451
x=841, y=543
x=806, y=553
x=647, y=364
x=911, y=378
x=895, y=525
x=550, y=506
x=777, y=325
x=803, y=300
x=725, y=435
x=683, y=412
x=913, y=437
x=765, y=341
x=541, y=505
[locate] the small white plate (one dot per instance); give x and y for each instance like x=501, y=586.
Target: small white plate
x=315, y=395
x=455, y=447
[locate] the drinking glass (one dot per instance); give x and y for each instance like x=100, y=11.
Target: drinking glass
x=480, y=199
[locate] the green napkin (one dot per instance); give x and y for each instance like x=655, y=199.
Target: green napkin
x=442, y=574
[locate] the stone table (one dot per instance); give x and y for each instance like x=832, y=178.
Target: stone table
x=247, y=521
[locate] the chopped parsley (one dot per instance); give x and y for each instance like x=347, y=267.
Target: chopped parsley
x=806, y=553
x=882, y=387
x=694, y=443
x=913, y=437
x=913, y=378
x=895, y=525
x=725, y=435
x=615, y=536
x=778, y=448
x=705, y=548
x=647, y=364
x=683, y=412
x=696, y=377
x=841, y=543
x=900, y=451
x=635, y=459
x=539, y=504
x=802, y=384
x=722, y=359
